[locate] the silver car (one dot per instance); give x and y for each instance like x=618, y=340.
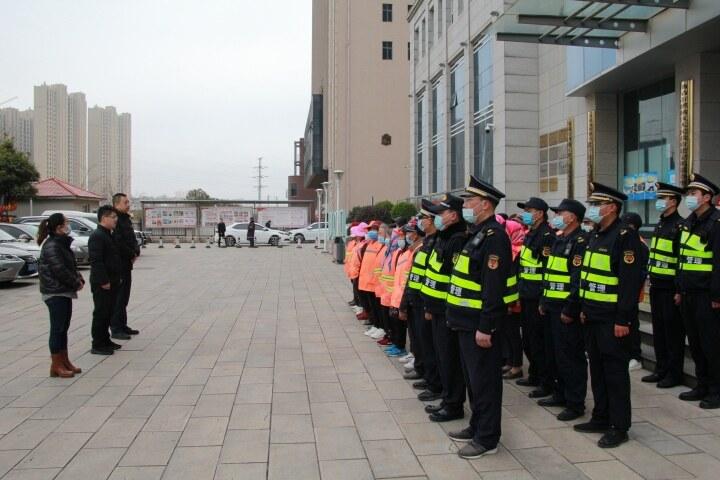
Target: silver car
x=10, y=265
x=79, y=246
x=29, y=252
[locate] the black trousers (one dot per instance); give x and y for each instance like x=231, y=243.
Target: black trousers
x=398, y=330
x=430, y=361
x=104, y=305
x=533, y=340
x=251, y=240
x=60, y=309
x=483, y=368
x=552, y=377
x=367, y=300
x=382, y=313
x=609, y=375
x=635, y=347
x=451, y=372
x=356, y=291
x=569, y=344
x=668, y=334
x=512, y=341
x=221, y=237
x=415, y=344
x=118, y=322
x=702, y=324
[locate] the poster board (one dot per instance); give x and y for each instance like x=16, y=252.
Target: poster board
x=211, y=215
x=283, y=217
x=171, y=217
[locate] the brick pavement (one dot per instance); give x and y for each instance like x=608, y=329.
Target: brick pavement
x=250, y=365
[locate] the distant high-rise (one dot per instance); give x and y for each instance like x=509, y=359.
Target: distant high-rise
x=125, y=147
x=77, y=140
x=50, y=137
x=18, y=126
x=109, y=151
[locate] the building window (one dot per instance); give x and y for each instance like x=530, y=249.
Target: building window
x=387, y=50
x=457, y=123
x=460, y=7
x=440, y=17
x=450, y=11
x=422, y=38
x=387, y=12
x=386, y=139
x=419, y=145
x=584, y=63
x=293, y=190
x=483, y=111
x=408, y=51
x=431, y=26
x=553, y=160
x=416, y=45
x=437, y=157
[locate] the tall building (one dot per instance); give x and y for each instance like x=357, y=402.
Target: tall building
x=77, y=140
x=50, y=137
x=103, y=151
x=357, y=121
x=125, y=150
x=18, y=126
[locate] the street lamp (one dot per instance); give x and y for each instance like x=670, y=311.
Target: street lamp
x=319, y=192
x=338, y=176
x=325, y=186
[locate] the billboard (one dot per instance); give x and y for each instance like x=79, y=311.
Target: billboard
x=171, y=217
x=283, y=217
x=212, y=215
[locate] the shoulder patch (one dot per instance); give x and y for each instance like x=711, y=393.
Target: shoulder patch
x=455, y=258
x=623, y=231
x=629, y=257
x=546, y=251
x=489, y=232
x=546, y=234
x=493, y=262
x=577, y=261
x=580, y=240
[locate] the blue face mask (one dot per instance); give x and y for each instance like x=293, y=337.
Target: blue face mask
x=691, y=203
x=372, y=235
x=593, y=214
x=587, y=228
x=438, y=223
x=527, y=218
x=469, y=215
x=420, y=225
x=558, y=222
x=660, y=205
x=401, y=243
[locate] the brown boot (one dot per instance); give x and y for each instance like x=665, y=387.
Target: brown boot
x=58, y=368
x=69, y=365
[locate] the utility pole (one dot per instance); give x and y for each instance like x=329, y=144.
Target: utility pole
x=260, y=177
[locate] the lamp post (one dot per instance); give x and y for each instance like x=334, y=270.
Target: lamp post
x=325, y=186
x=338, y=177
x=319, y=192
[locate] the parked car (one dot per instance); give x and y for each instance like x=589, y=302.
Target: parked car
x=28, y=231
x=10, y=266
x=309, y=233
x=28, y=252
x=237, y=232
x=91, y=217
x=83, y=227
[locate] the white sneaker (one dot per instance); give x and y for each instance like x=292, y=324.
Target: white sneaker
x=634, y=365
x=379, y=333
x=406, y=358
x=410, y=365
x=370, y=331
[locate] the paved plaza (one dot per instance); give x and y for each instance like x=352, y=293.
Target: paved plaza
x=250, y=365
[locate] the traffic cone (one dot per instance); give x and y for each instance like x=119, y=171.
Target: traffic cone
x=161, y=243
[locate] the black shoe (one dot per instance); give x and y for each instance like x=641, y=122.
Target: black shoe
x=512, y=376
x=474, y=450
x=429, y=396
x=131, y=331
x=540, y=392
x=352, y=303
x=668, y=382
x=444, y=415
x=120, y=336
x=569, y=414
x=433, y=408
x=528, y=382
x=693, y=395
x=102, y=351
x=592, y=426
x=464, y=435
x=652, y=378
x=613, y=438
x=710, y=402
x=412, y=375
x=551, y=402
x=421, y=385
x=113, y=345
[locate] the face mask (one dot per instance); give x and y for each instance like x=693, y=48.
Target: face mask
x=660, y=205
x=691, y=203
x=558, y=222
x=586, y=228
x=593, y=214
x=420, y=225
x=438, y=223
x=401, y=243
x=468, y=215
x=372, y=235
x=527, y=218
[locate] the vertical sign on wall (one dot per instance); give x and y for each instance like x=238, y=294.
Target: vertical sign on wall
x=591, y=146
x=686, y=131
x=570, y=158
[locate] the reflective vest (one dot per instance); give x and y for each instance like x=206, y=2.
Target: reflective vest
x=557, y=278
x=386, y=284
x=598, y=282
x=435, y=284
x=349, y=251
x=366, y=267
x=662, y=260
x=693, y=256
x=377, y=271
x=530, y=266
x=417, y=272
x=402, y=269
x=464, y=292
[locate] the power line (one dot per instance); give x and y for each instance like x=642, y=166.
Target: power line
x=260, y=177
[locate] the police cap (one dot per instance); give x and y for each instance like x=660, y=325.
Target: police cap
x=698, y=181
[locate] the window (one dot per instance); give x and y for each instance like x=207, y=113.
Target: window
x=553, y=160
x=419, y=145
x=483, y=111
x=584, y=63
x=450, y=11
x=387, y=50
x=460, y=7
x=422, y=38
x=408, y=51
x=457, y=124
x=437, y=157
x=416, y=44
x=386, y=139
x=440, y=17
x=293, y=190
x=431, y=26
x=387, y=12
x=240, y=226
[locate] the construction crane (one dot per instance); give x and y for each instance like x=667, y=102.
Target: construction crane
x=8, y=101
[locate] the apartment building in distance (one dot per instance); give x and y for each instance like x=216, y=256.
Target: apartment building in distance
x=357, y=121
x=50, y=137
x=17, y=125
x=77, y=140
x=109, y=147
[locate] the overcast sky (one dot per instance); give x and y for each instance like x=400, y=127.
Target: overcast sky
x=211, y=84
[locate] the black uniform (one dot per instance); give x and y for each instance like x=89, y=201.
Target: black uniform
x=611, y=279
x=128, y=248
x=105, y=267
x=251, y=233
x=221, y=232
x=489, y=265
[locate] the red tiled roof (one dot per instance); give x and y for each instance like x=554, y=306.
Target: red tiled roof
x=54, y=187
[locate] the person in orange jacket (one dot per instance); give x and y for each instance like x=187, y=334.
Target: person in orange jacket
x=397, y=334
x=368, y=253
x=382, y=312
x=350, y=245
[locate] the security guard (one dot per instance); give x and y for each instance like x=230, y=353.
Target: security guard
x=610, y=280
x=668, y=329
x=535, y=326
x=561, y=303
x=452, y=234
x=412, y=308
x=476, y=308
x=698, y=282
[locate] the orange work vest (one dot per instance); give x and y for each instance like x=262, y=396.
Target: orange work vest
x=402, y=269
x=367, y=265
x=354, y=267
x=387, y=279
x=377, y=271
x=349, y=250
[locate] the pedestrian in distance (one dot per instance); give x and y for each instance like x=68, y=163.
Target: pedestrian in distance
x=129, y=251
x=105, y=279
x=251, y=232
x=59, y=283
x=221, y=232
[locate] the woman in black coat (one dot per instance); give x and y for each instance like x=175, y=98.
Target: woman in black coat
x=59, y=284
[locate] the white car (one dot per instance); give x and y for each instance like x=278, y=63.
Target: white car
x=28, y=252
x=309, y=233
x=10, y=265
x=237, y=233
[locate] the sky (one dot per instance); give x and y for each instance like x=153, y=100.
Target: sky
x=211, y=84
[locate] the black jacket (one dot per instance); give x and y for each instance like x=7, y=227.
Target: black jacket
x=571, y=247
x=540, y=241
x=57, y=269
x=105, y=261
x=706, y=227
x=221, y=228
x=251, y=230
x=124, y=235
x=410, y=296
x=449, y=242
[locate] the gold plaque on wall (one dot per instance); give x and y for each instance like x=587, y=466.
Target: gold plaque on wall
x=686, y=131
x=590, y=146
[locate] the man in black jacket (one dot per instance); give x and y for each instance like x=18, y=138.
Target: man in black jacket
x=129, y=250
x=105, y=279
x=251, y=232
x=221, y=231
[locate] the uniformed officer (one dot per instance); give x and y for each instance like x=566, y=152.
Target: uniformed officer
x=610, y=280
x=561, y=303
x=535, y=326
x=698, y=284
x=451, y=236
x=476, y=308
x=668, y=329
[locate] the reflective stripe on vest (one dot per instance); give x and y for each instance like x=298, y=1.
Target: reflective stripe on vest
x=557, y=278
x=435, y=284
x=417, y=272
x=662, y=261
x=597, y=280
x=530, y=266
x=693, y=256
x=464, y=292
